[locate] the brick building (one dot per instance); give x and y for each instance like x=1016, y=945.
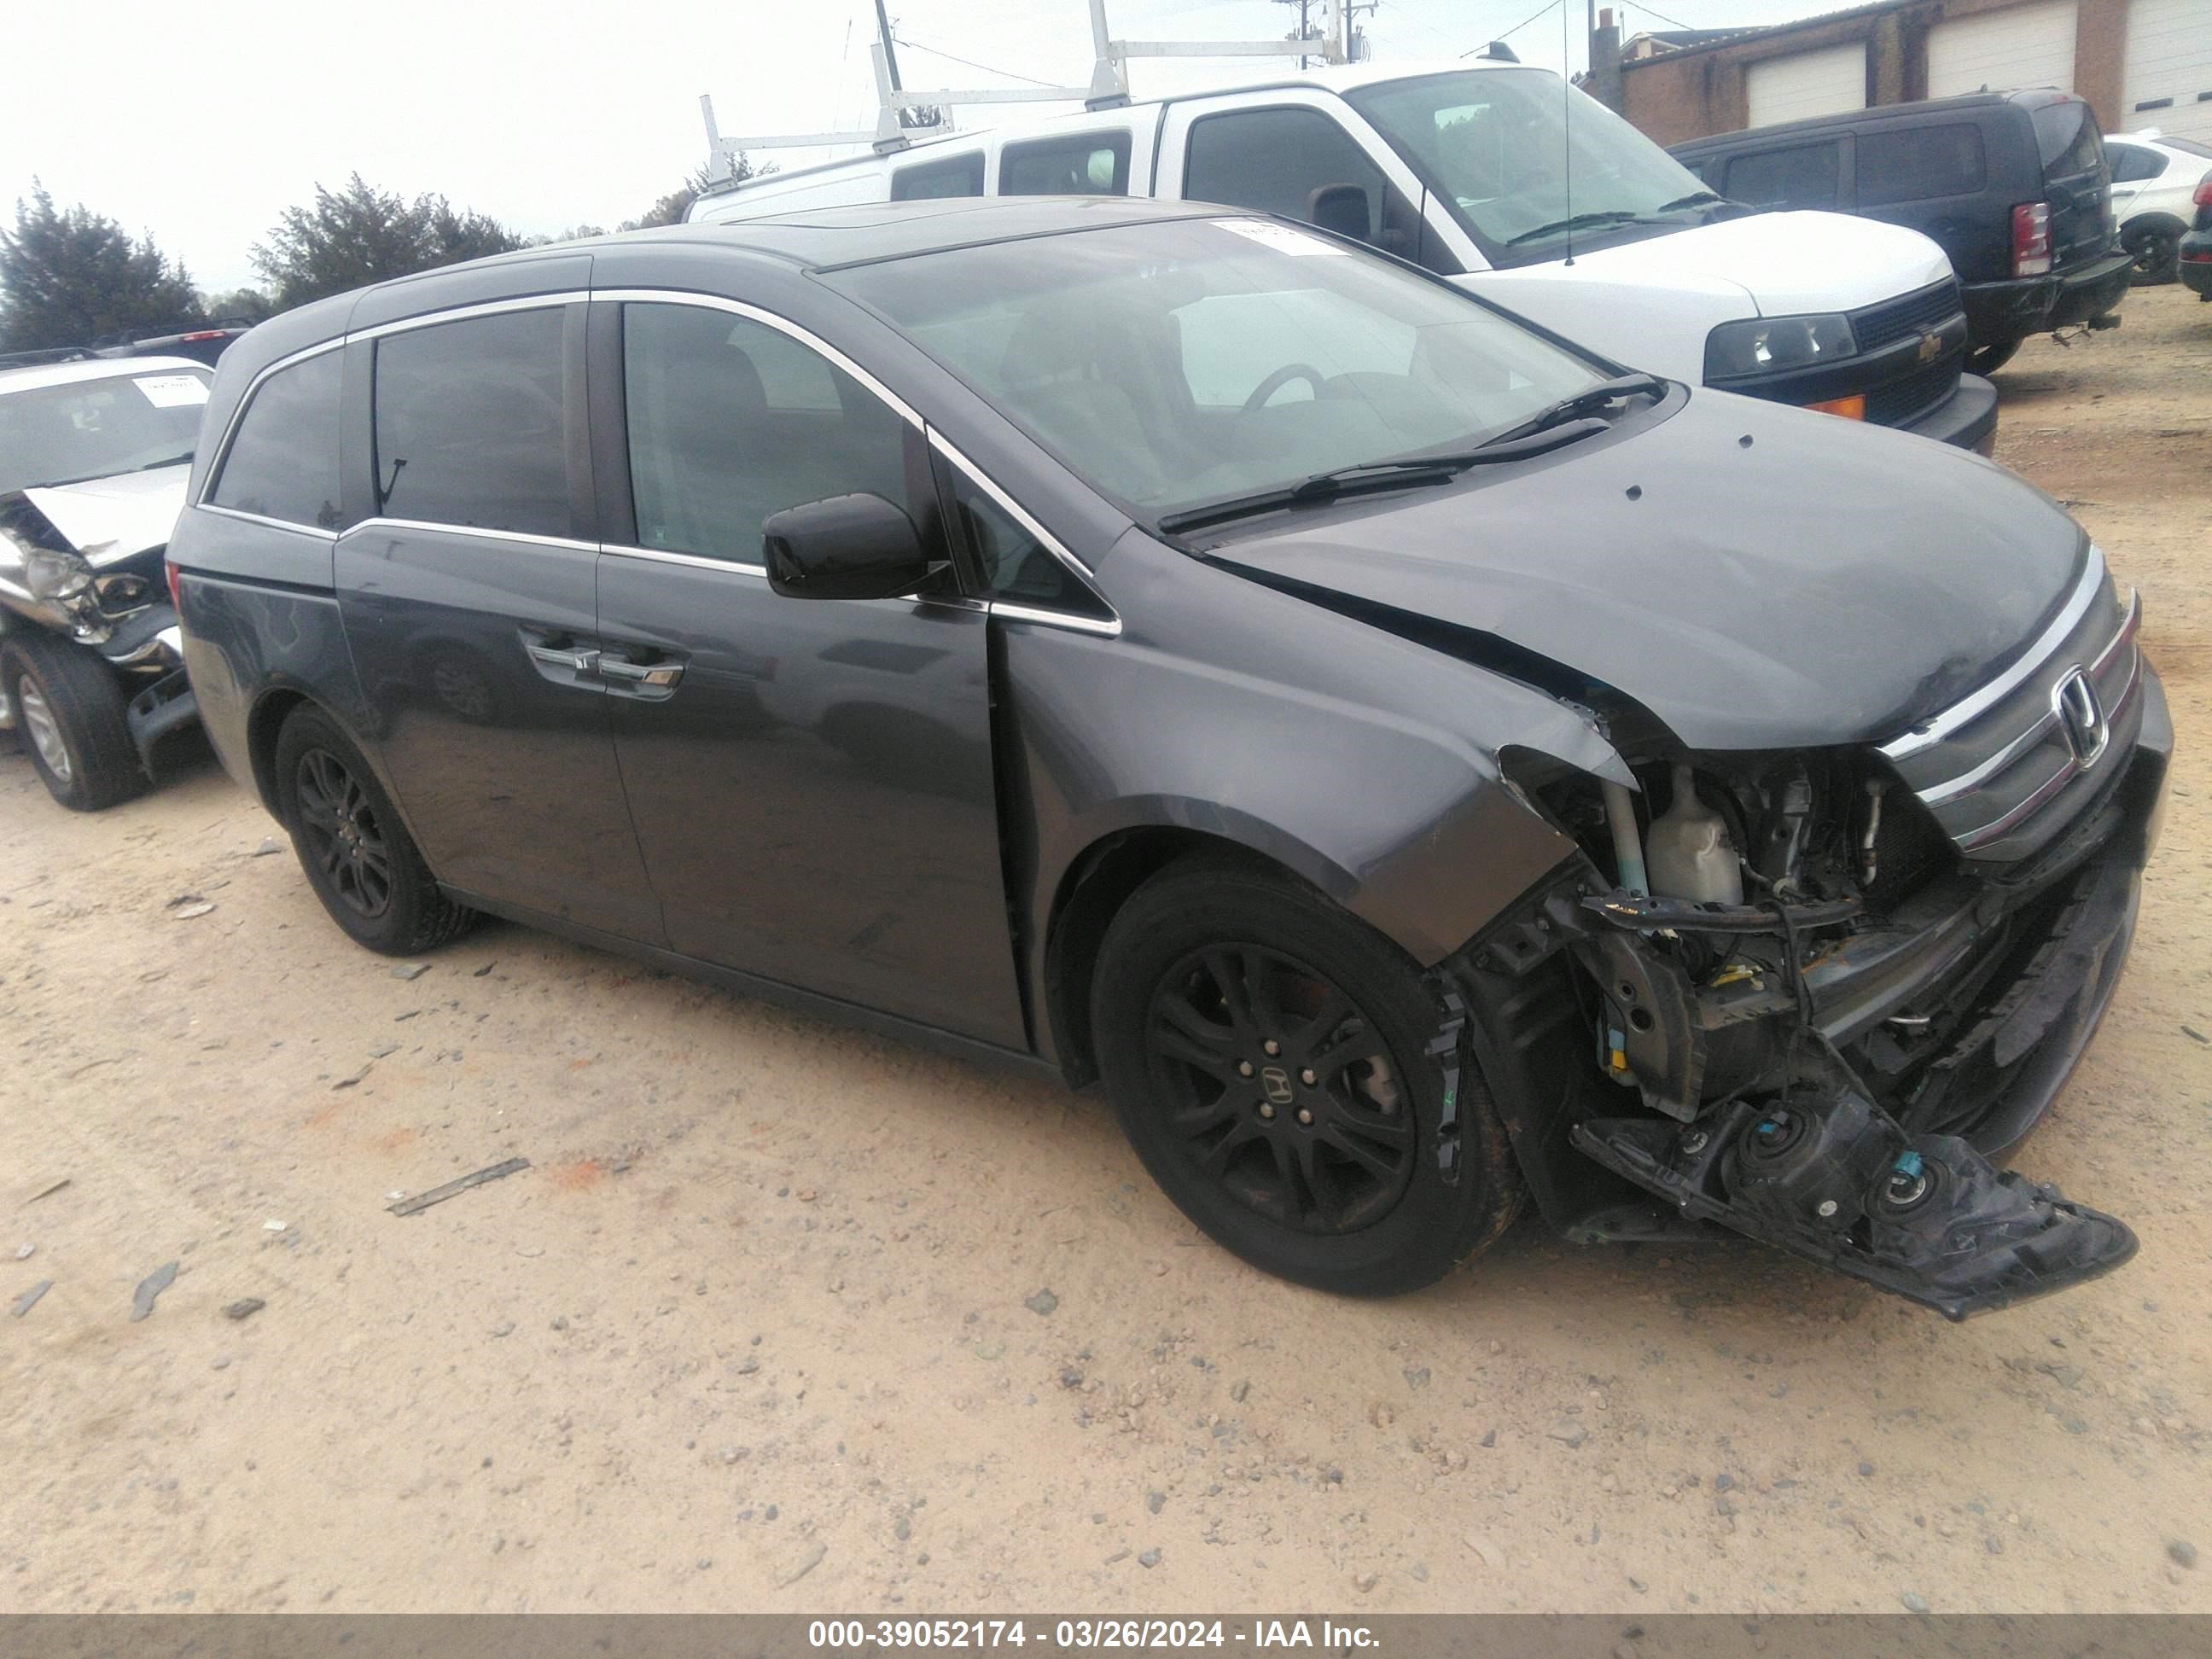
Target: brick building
x=2139, y=63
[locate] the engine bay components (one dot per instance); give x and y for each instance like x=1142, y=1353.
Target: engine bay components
x=1688, y=855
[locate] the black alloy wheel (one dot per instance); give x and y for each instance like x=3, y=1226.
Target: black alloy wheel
x=1295, y=1083
x=339, y=828
x=353, y=844
x=1281, y=1089
x=2157, y=253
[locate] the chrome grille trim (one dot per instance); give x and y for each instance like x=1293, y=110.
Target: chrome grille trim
x=2030, y=663
x=2068, y=769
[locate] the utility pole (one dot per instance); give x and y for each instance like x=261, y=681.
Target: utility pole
x=890, y=51
x=1304, y=27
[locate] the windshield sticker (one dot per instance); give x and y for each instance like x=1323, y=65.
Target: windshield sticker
x=1281, y=238
x=172, y=390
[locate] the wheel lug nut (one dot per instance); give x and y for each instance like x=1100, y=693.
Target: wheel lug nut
x=1308, y=1078
x=1243, y=1068
x=1267, y=1111
x=1304, y=1116
x=1272, y=1046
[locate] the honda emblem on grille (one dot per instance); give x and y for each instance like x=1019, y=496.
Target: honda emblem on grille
x=2081, y=717
x=1931, y=347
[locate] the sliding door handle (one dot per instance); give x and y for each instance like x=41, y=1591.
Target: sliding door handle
x=576, y=659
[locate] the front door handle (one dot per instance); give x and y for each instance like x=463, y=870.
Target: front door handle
x=656, y=676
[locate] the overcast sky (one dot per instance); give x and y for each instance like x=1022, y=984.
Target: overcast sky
x=200, y=124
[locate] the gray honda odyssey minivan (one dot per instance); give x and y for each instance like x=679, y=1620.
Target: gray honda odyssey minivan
x=1416, y=765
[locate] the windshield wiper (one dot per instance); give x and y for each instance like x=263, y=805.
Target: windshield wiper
x=173, y=460
x=1583, y=404
x=1608, y=216
x=1552, y=429
x=1695, y=199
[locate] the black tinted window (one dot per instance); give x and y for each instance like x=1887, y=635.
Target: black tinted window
x=1089, y=164
x=1296, y=163
x=284, y=464
x=1016, y=566
x=1803, y=176
x=2131, y=163
x=1910, y=164
x=961, y=176
x=2067, y=138
x=731, y=421
x=468, y=424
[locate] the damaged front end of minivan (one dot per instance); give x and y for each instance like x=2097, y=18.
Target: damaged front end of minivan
x=1809, y=995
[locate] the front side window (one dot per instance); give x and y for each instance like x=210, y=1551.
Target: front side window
x=732, y=421
x=1915, y=164
x=963, y=175
x=1295, y=162
x=1803, y=176
x=470, y=424
x=1188, y=360
x=1524, y=162
x=1087, y=164
x=86, y=429
x=284, y=464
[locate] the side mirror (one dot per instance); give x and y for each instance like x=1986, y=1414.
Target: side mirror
x=1338, y=208
x=848, y=547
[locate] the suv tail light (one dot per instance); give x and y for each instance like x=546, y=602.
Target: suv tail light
x=2203, y=196
x=2031, y=239
x=176, y=596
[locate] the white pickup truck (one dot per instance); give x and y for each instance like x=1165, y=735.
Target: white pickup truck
x=1498, y=177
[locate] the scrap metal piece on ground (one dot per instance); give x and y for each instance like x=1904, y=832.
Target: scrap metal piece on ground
x=142, y=1300
x=29, y=1298
x=243, y=1308
x=440, y=1194
x=48, y=1192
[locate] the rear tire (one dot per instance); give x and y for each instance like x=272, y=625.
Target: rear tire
x=357, y=854
x=1322, y=1157
x=74, y=717
x=1988, y=360
x=2157, y=253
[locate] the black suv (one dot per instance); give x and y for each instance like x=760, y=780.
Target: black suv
x=2014, y=186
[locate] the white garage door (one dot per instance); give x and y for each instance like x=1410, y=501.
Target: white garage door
x=1806, y=83
x=2002, y=51
x=2169, y=68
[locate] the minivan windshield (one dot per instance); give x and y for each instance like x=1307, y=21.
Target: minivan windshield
x=1525, y=162
x=1190, y=360
x=85, y=429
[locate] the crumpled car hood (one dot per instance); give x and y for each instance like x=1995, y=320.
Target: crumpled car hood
x=108, y=519
x=1828, y=583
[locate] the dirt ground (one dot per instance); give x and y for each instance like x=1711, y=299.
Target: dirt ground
x=760, y=1328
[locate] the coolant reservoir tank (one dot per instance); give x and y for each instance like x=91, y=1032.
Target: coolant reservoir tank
x=1687, y=852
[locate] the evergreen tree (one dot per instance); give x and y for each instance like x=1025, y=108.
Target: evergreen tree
x=361, y=234
x=68, y=277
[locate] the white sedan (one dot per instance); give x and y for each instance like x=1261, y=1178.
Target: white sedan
x=2152, y=178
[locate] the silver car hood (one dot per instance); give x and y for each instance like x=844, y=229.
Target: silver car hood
x=108, y=519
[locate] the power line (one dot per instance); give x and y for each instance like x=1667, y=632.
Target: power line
x=1661, y=16
x=970, y=63
x=1515, y=30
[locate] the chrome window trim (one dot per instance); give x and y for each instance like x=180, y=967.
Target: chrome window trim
x=2031, y=662
x=524, y=538
x=241, y=515
x=696, y=561
x=463, y=314
x=246, y=401
x=678, y=297
x=1105, y=627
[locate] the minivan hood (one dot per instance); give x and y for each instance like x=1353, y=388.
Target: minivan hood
x=108, y=519
x=1756, y=576
x=1790, y=263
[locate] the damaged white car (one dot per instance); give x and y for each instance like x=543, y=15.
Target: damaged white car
x=93, y=457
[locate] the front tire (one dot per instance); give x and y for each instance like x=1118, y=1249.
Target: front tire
x=1270, y=1059
x=74, y=717
x=357, y=854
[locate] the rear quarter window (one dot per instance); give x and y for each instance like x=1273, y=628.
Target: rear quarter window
x=1913, y=164
x=284, y=461
x=1087, y=164
x=2067, y=140
x=962, y=175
